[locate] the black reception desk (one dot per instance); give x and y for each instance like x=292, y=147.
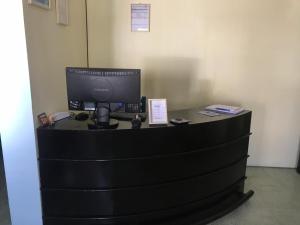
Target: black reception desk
x=171, y=175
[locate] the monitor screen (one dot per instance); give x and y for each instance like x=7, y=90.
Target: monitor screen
x=89, y=86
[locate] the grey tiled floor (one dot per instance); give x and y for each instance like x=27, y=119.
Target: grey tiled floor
x=276, y=200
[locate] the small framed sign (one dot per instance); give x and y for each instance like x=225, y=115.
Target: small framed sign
x=158, y=113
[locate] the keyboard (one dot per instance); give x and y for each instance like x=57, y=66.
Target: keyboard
x=124, y=116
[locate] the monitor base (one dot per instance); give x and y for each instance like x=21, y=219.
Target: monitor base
x=113, y=124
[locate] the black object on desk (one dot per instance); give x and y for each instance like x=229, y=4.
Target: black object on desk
x=156, y=176
x=82, y=116
x=124, y=116
x=179, y=121
x=136, y=122
x=112, y=124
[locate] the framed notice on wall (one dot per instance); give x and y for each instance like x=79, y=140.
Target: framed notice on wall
x=140, y=17
x=41, y=3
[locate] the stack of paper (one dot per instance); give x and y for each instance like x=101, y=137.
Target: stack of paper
x=225, y=109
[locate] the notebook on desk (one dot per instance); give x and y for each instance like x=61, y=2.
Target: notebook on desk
x=225, y=109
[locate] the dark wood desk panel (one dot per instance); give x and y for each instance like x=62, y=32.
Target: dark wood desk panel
x=127, y=176
x=140, y=199
x=69, y=138
x=139, y=171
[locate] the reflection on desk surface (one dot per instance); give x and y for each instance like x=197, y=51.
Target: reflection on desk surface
x=190, y=114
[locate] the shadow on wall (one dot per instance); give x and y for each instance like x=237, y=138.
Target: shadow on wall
x=176, y=79
x=100, y=52
x=259, y=130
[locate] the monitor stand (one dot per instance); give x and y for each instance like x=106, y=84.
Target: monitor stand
x=102, y=120
x=113, y=124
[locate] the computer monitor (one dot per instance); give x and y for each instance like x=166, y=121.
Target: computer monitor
x=100, y=87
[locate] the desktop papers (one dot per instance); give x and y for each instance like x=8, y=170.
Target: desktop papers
x=225, y=109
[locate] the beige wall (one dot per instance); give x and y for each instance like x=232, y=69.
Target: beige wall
x=51, y=48
x=241, y=52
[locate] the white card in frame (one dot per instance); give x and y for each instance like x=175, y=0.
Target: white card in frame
x=158, y=113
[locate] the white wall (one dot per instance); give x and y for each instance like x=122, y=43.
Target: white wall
x=241, y=52
x=52, y=47
x=16, y=121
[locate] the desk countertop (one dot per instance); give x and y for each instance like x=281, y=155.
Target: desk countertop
x=190, y=114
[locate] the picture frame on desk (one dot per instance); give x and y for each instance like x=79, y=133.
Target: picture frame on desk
x=45, y=4
x=43, y=119
x=158, y=113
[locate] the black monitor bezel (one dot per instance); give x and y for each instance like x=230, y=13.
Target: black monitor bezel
x=138, y=72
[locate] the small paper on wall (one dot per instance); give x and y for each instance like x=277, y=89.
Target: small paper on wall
x=62, y=12
x=140, y=17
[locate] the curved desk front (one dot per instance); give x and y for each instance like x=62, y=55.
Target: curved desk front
x=189, y=174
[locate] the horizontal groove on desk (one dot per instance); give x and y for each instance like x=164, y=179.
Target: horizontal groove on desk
x=200, y=203
x=195, y=216
x=153, y=156
x=148, y=185
x=55, y=144
x=89, y=174
x=127, y=201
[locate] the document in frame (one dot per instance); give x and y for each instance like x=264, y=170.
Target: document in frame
x=158, y=113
